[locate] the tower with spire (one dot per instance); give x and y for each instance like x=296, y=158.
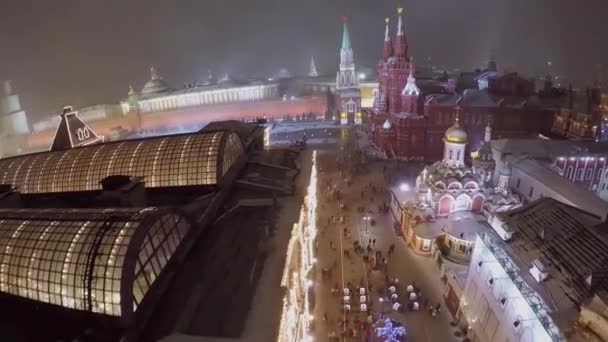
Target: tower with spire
x=395, y=67
x=347, y=85
x=312, y=70
x=346, y=77
x=483, y=161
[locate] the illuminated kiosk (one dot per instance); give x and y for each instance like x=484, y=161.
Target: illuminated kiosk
x=103, y=261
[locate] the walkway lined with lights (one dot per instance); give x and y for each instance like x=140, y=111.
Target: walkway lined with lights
x=403, y=263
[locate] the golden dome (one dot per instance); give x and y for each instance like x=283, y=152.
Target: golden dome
x=456, y=134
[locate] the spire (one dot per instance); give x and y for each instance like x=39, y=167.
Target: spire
x=387, y=37
x=400, y=43
x=488, y=134
x=457, y=117
x=312, y=71
x=400, y=23
x=345, y=35
x=387, y=50
x=492, y=64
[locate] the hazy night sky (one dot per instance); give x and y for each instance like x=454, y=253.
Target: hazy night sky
x=86, y=52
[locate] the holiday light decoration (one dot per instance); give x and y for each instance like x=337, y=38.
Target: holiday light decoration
x=388, y=331
x=299, y=261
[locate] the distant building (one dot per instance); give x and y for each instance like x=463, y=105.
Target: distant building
x=414, y=113
x=157, y=96
x=583, y=118
x=584, y=163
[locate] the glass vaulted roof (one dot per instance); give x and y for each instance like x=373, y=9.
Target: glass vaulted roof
x=170, y=161
x=97, y=260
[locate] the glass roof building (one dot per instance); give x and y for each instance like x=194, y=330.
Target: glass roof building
x=170, y=161
x=97, y=260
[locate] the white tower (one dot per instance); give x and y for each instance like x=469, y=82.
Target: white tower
x=13, y=120
x=455, y=142
x=312, y=71
x=504, y=178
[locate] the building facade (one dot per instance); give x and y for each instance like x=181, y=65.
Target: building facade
x=408, y=120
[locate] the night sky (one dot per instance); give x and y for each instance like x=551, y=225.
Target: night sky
x=86, y=52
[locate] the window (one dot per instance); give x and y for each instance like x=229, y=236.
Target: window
x=462, y=248
x=569, y=172
x=589, y=171
x=426, y=244
x=531, y=192
x=579, y=175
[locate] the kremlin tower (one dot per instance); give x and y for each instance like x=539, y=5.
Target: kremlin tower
x=347, y=85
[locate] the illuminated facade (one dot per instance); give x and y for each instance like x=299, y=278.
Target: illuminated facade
x=171, y=161
x=498, y=305
x=98, y=260
x=448, y=195
x=296, y=317
x=157, y=96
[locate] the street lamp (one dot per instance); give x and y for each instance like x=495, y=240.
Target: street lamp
x=366, y=219
x=404, y=187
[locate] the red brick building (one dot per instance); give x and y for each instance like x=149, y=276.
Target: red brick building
x=409, y=119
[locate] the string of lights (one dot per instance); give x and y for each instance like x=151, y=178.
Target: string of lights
x=299, y=261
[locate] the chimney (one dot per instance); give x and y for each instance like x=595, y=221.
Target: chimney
x=539, y=271
x=8, y=88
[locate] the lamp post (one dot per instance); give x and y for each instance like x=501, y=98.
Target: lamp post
x=382, y=304
x=366, y=219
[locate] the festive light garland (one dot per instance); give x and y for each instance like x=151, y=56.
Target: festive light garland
x=295, y=317
x=390, y=332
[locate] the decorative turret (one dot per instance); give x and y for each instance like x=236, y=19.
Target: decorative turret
x=410, y=87
x=387, y=51
x=410, y=93
x=132, y=99
x=400, y=42
x=483, y=162
x=312, y=70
